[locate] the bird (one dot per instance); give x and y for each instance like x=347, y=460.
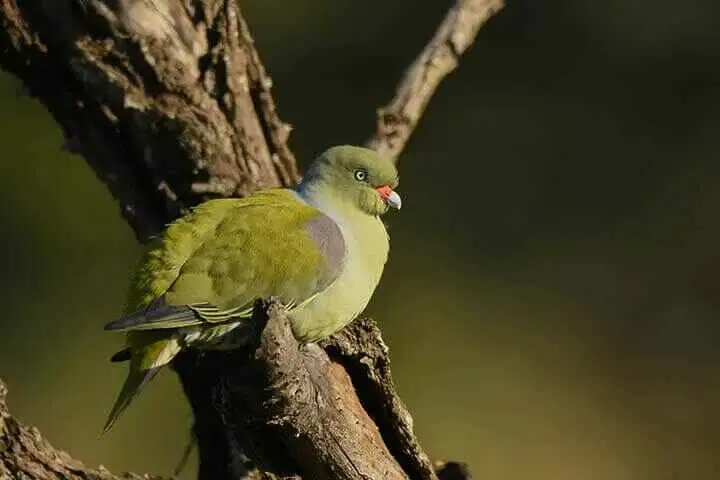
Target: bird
x=318, y=248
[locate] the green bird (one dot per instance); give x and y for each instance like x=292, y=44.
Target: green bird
x=319, y=248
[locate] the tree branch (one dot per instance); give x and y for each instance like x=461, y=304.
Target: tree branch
x=169, y=103
x=25, y=454
x=299, y=411
x=330, y=412
x=397, y=120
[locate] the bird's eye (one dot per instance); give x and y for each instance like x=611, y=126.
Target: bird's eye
x=360, y=175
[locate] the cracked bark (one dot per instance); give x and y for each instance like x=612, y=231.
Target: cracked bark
x=169, y=103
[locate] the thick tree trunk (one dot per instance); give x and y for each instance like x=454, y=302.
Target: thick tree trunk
x=170, y=104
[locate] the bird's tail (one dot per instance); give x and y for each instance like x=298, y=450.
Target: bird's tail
x=144, y=365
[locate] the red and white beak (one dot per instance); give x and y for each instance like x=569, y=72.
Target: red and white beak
x=390, y=196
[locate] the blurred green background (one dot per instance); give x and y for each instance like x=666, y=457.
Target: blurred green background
x=551, y=302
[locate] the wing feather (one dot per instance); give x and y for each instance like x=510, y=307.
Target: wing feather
x=270, y=244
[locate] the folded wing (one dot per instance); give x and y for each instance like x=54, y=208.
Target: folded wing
x=269, y=245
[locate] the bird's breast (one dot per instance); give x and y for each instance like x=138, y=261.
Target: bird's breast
x=367, y=249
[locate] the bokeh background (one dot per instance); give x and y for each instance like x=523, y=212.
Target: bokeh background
x=551, y=303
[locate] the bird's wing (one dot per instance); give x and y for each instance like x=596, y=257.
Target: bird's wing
x=212, y=266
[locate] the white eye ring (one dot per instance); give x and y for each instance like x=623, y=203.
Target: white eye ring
x=360, y=175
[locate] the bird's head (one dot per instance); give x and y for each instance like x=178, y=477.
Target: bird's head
x=356, y=175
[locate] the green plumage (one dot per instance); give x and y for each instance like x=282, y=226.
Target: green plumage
x=197, y=260
x=319, y=249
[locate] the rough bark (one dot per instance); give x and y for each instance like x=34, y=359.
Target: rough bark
x=25, y=454
x=323, y=412
x=170, y=104
x=167, y=100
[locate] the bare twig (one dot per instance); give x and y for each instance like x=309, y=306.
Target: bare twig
x=397, y=120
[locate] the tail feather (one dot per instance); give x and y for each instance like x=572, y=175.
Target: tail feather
x=134, y=383
x=144, y=365
x=192, y=443
x=121, y=356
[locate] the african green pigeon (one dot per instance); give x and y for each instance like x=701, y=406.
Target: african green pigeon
x=319, y=249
